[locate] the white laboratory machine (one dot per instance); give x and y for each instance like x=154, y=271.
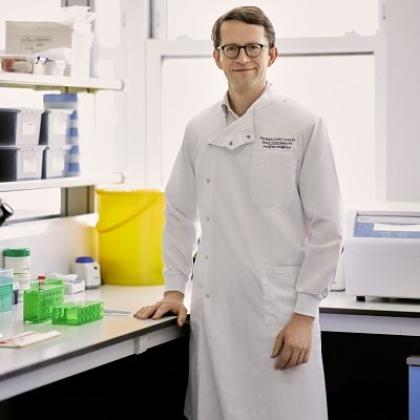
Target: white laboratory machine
x=382, y=254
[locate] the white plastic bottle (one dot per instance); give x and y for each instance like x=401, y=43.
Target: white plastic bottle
x=19, y=259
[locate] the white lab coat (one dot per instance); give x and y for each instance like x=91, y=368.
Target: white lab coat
x=264, y=193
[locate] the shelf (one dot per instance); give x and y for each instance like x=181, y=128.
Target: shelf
x=41, y=82
x=69, y=182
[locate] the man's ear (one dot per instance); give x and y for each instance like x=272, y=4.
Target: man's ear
x=216, y=56
x=273, y=53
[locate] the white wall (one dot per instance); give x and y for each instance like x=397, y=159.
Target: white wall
x=53, y=243
x=402, y=164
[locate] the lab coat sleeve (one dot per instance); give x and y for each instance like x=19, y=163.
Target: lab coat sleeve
x=320, y=196
x=181, y=221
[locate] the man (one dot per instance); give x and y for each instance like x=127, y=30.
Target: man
x=256, y=173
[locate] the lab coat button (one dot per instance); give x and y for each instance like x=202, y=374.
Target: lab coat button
x=208, y=218
x=208, y=180
x=248, y=136
x=207, y=295
x=231, y=143
x=206, y=257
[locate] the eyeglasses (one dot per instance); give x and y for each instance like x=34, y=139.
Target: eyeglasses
x=233, y=50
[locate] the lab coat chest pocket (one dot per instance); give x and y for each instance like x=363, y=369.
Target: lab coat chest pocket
x=272, y=177
x=279, y=293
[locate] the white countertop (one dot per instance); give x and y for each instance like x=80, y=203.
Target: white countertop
x=340, y=302
x=84, y=338
x=115, y=336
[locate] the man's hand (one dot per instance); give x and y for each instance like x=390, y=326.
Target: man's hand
x=293, y=342
x=171, y=302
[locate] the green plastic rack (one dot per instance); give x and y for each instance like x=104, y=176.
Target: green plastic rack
x=38, y=301
x=77, y=313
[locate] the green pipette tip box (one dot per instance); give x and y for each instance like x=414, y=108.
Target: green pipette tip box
x=77, y=313
x=6, y=296
x=39, y=301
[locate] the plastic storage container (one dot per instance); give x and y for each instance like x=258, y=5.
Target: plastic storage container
x=88, y=270
x=54, y=127
x=68, y=101
x=20, y=162
x=130, y=229
x=17, y=63
x=38, y=302
x=77, y=313
x=6, y=290
x=54, y=162
x=19, y=261
x=20, y=126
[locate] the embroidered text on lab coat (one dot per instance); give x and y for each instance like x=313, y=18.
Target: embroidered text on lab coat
x=277, y=142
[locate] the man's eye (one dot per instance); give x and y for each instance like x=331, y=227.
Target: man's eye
x=230, y=48
x=253, y=47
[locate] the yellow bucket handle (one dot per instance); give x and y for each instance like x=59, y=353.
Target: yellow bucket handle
x=123, y=222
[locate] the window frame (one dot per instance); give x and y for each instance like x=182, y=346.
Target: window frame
x=157, y=50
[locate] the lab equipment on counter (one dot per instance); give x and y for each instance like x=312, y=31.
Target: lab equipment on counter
x=19, y=260
x=27, y=338
x=130, y=228
x=6, y=290
x=72, y=284
x=38, y=302
x=87, y=269
x=77, y=313
x=117, y=312
x=382, y=254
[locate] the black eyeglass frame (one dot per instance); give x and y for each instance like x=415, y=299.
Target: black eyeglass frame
x=222, y=48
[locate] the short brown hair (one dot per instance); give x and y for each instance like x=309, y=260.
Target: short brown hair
x=248, y=14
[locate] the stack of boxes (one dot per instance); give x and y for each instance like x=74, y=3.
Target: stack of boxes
x=33, y=143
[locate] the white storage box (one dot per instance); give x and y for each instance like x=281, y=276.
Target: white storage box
x=33, y=37
x=20, y=162
x=19, y=126
x=54, y=161
x=54, y=127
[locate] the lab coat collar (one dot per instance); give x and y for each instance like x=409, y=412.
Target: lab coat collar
x=225, y=105
x=240, y=131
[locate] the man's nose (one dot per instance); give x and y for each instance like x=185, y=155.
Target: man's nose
x=242, y=57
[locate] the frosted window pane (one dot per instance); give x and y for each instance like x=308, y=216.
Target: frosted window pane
x=188, y=87
x=290, y=18
x=340, y=89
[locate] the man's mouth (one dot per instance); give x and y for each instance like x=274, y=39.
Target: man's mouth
x=242, y=70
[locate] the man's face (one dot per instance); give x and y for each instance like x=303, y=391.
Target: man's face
x=244, y=73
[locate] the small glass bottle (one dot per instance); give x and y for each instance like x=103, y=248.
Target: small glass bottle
x=41, y=281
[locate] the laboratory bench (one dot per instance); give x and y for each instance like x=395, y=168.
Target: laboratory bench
x=365, y=348
x=97, y=362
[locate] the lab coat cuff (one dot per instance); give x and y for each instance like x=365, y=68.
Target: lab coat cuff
x=307, y=304
x=175, y=282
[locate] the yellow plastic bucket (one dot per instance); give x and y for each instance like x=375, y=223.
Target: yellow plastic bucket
x=130, y=228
